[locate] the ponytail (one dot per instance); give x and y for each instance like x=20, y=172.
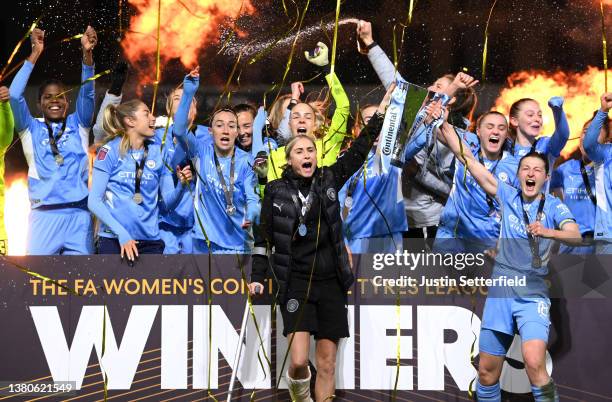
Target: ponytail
x=113, y=122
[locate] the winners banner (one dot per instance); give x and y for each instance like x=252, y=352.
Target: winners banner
x=168, y=329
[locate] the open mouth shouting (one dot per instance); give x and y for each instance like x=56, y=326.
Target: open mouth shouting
x=494, y=139
x=302, y=130
x=307, y=168
x=225, y=140
x=530, y=185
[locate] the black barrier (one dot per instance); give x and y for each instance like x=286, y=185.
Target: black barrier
x=156, y=336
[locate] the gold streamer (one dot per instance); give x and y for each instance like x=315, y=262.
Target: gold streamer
x=472, y=354
x=408, y=21
x=486, y=42
x=229, y=80
x=410, y=10
x=297, y=35
x=39, y=276
x=104, y=375
x=268, y=48
x=120, y=20
x=95, y=77
x=77, y=36
x=398, y=348
x=157, y=58
x=12, y=70
x=18, y=46
x=605, y=45
x=230, y=36
x=333, y=55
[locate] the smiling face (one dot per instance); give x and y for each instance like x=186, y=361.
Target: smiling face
x=175, y=99
x=528, y=119
x=53, y=107
x=245, y=129
x=302, y=120
x=493, y=131
x=303, y=157
x=142, y=122
x=532, y=176
x=224, y=130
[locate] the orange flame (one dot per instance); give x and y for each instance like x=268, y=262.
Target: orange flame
x=187, y=27
x=16, y=212
x=580, y=90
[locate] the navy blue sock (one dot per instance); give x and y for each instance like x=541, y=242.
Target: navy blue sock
x=545, y=393
x=488, y=393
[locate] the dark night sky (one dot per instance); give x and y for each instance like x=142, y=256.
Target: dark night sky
x=445, y=36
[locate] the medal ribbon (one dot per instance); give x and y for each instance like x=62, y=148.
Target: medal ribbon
x=489, y=199
x=140, y=169
x=228, y=192
x=53, y=140
x=533, y=244
x=587, y=183
x=303, y=205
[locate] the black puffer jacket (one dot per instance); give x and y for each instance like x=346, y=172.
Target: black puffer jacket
x=279, y=219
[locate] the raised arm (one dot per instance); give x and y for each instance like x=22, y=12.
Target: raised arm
x=7, y=124
x=562, y=130
x=283, y=130
x=463, y=154
x=332, y=141
x=112, y=97
x=378, y=58
x=258, y=124
x=354, y=157
x=21, y=112
x=595, y=151
x=85, y=103
x=252, y=199
x=98, y=128
x=181, y=117
x=171, y=194
x=566, y=231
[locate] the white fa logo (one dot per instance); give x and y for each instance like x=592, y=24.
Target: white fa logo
x=543, y=309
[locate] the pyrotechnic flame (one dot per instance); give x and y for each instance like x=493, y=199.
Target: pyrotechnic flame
x=580, y=90
x=182, y=35
x=16, y=212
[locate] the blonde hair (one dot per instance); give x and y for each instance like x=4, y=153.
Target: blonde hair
x=277, y=111
x=291, y=144
x=113, y=122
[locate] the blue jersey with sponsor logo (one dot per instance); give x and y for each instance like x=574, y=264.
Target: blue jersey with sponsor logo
x=377, y=205
x=514, y=252
x=568, y=176
x=51, y=183
x=467, y=213
x=212, y=221
x=222, y=229
x=136, y=221
x=182, y=215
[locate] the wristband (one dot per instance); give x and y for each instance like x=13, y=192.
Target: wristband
x=371, y=45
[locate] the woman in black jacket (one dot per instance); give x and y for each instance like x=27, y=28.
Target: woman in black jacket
x=302, y=233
